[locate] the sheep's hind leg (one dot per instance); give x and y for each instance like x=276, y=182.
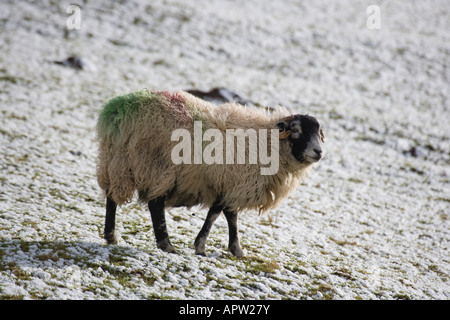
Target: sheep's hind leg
x=110, y=221
x=200, y=240
x=156, y=207
x=233, y=244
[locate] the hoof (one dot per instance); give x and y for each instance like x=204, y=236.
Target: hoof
x=200, y=245
x=200, y=252
x=236, y=251
x=166, y=246
x=110, y=238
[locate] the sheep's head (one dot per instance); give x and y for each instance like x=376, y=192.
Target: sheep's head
x=305, y=135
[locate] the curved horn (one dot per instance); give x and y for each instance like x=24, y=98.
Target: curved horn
x=283, y=125
x=322, y=136
x=284, y=134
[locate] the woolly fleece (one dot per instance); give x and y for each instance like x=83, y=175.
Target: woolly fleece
x=135, y=131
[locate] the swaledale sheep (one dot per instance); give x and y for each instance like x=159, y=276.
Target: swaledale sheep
x=137, y=145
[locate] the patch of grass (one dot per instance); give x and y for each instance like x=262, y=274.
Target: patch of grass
x=20, y=274
x=410, y=167
x=296, y=269
x=157, y=296
x=401, y=296
x=355, y=180
x=343, y=242
x=11, y=297
x=436, y=270
x=47, y=256
x=257, y=265
x=268, y=222
x=326, y=290
x=177, y=218
x=15, y=80
x=267, y=266
x=370, y=139
x=344, y=273
x=117, y=260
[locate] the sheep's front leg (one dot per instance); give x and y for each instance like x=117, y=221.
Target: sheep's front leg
x=110, y=222
x=156, y=207
x=200, y=240
x=233, y=244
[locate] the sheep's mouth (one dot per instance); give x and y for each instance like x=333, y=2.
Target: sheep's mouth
x=308, y=159
x=312, y=159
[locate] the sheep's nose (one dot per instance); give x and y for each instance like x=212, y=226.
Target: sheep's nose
x=318, y=152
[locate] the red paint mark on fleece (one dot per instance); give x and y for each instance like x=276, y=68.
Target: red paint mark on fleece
x=174, y=97
x=178, y=102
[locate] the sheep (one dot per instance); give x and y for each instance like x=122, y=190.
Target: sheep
x=136, y=134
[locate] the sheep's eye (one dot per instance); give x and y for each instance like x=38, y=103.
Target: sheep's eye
x=294, y=130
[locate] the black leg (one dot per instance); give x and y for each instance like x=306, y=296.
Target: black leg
x=156, y=207
x=233, y=244
x=200, y=241
x=110, y=222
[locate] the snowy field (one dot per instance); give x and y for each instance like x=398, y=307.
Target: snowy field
x=370, y=222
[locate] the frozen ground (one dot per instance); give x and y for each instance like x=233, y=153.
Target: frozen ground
x=371, y=222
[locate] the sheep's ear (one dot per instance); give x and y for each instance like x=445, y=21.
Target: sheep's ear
x=322, y=136
x=283, y=126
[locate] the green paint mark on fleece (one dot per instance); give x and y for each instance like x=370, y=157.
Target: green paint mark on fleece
x=116, y=110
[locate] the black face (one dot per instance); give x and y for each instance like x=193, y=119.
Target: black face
x=305, y=135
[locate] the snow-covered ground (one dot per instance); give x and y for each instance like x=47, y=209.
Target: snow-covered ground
x=371, y=221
